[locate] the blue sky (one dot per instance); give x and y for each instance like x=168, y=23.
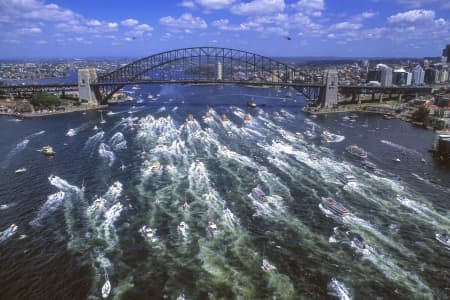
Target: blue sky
x=344, y=28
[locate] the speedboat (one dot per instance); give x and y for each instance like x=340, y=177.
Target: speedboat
x=182, y=228
x=116, y=187
x=251, y=103
x=357, y=151
x=247, y=118
x=443, y=238
x=267, y=266
x=12, y=229
x=21, y=170
x=95, y=127
x=368, y=165
x=156, y=166
x=207, y=116
x=185, y=205
x=106, y=288
x=335, y=207
x=225, y=118
x=71, y=132
x=48, y=150
x=358, y=242
x=229, y=133
x=258, y=194
x=135, y=87
x=212, y=227
x=346, y=177
x=331, y=137
x=299, y=136
x=147, y=232
x=99, y=202
x=150, y=97
x=397, y=160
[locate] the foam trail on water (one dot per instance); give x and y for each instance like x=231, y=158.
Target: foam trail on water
x=339, y=290
x=53, y=202
x=105, y=152
x=7, y=233
x=400, y=147
x=118, y=142
x=62, y=185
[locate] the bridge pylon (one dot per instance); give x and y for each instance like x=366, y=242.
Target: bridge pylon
x=329, y=93
x=86, y=93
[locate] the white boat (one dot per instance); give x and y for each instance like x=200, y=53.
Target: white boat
x=95, y=128
x=346, y=177
x=397, y=160
x=106, y=288
x=267, y=266
x=182, y=228
x=331, y=137
x=140, y=101
x=122, y=167
x=150, y=97
x=212, y=227
x=147, y=232
x=71, y=132
x=135, y=87
x=443, y=238
x=109, y=113
x=21, y=170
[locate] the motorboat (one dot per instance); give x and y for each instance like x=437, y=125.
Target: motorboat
x=99, y=202
x=110, y=113
x=247, y=118
x=359, y=243
x=182, y=228
x=331, y=137
x=48, y=151
x=258, y=194
x=150, y=97
x=397, y=160
x=185, y=205
x=299, y=136
x=21, y=170
x=71, y=132
x=225, y=118
x=116, y=187
x=190, y=118
x=207, y=116
x=147, y=232
x=156, y=166
x=212, y=227
x=443, y=238
x=267, y=266
x=346, y=177
x=95, y=128
x=357, y=151
x=335, y=207
x=229, y=133
x=368, y=165
x=106, y=288
x=251, y=103
x=122, y=167
x=310, y=134
x=135, y=87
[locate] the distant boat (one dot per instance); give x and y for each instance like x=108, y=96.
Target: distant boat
x=251, y=103
x=357, y=151
x=48, y=150
x=21, y=170
x=106, y=288
x=95, y=127
x=71, y=132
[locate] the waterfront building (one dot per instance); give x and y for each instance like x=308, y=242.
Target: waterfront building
x=400, y=77
x=418, y=76
x=374, y=75
x=386, y=75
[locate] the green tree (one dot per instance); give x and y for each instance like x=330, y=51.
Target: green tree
x=420, y=115
x=45, y=101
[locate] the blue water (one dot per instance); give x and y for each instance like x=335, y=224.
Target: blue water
x=66, y=242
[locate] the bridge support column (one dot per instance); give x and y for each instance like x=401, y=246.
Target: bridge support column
x=329, y=95
x=400, y=98
x=219, y=71
x=85, y=92
x=381, y=97
x=373, y=97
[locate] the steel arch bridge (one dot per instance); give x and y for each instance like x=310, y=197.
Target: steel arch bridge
x=205, y=65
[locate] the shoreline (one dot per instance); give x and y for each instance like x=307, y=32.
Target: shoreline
x=48, y=114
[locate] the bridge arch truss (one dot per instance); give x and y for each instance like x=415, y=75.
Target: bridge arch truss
x=200, y=65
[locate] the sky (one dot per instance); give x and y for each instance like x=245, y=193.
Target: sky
x=136, y=28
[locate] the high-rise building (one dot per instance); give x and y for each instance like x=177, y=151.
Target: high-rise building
x=443, y=76
x=418, y=75
x=374, y=75
x=446, y=53
x=386, y=75
x=399, y=77
x=430, y=76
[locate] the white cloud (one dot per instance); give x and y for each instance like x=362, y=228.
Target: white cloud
x=144, y=27
x=346, y=26
x=185, y=21
x=413, y=16
x=112, y=25
x=129, y=22
x=187, y=4
x=214, y=4
x=310, y=5
x=259, y=7
x=30, y=30
x=94, y=23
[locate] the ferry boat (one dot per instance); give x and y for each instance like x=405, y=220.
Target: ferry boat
x=331, y=137
x=346, y=177
x=357, y=151
x=335, y=207
x=443, y=238
x=48, y=151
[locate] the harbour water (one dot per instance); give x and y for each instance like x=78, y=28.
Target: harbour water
x=68, y=239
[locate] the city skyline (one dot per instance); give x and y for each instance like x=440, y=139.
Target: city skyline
x=375, y=28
